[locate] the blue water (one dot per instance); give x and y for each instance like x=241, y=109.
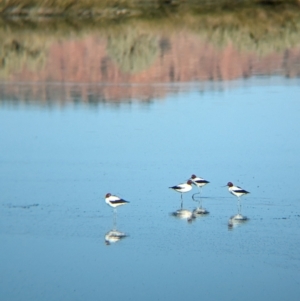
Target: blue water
x=57, y=164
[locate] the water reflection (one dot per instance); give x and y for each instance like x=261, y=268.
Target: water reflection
x=114, y=236
x=199, y=210
x=237, y=220
x=184, y=214
x=132, y=51
x=125, y=61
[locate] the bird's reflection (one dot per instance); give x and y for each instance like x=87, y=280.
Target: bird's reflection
x=199, y=210
x=184, y=214
x=237, y=220
x=114, y=235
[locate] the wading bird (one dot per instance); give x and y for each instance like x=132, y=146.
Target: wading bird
x=184, y=187
x=199, y=182
x=238, y=192
x=114, y=201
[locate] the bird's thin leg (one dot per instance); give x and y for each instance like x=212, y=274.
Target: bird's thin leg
x=115, y=219
x=200, y=199
x=181, y=201
x=239, y=206
x=196, y=198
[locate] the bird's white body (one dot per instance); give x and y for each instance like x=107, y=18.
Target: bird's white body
x=198, y=181
x=114, y=201
x=237, y=191
x=184, y=187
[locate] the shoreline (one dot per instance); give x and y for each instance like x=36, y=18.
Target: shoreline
x=99, y=10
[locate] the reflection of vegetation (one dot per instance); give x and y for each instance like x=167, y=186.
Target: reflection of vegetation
x=258, y=29
x=247, y=41
x=135, y=42
x=261, y=26
x=267, y=26
x=132, y=51
x=17, y=52
x=47, y=95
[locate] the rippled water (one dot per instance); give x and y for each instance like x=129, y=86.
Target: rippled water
x=65, y=144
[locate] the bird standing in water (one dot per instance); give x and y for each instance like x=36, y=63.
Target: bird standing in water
x=114, y=201
x=238, y=192
x=199, y=182
x=184, y=187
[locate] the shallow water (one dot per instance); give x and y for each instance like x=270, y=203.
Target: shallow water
x=58, y=163
x=79, y=126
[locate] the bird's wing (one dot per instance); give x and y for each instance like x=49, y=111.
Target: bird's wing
x=179, y=186
x=240, y=190
x=119, y=201
x=201, y=181
x=113, y=198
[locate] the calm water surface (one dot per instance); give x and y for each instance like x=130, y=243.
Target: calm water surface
x=59, y=159
x=133, y=108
